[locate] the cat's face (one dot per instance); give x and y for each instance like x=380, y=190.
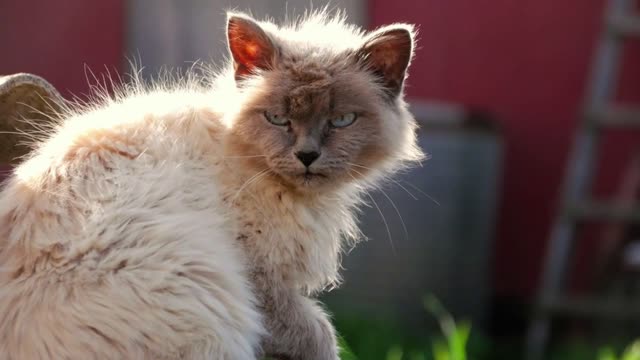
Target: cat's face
x=323, y=120
x=313, y=129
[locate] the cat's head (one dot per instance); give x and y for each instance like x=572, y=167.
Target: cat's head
x=321, y=102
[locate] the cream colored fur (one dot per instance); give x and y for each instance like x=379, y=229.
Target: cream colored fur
x=135, y=232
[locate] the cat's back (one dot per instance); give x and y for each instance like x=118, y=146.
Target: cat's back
x=149, y=155
x=113, y=242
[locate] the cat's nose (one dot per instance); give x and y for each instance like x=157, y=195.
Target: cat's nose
x=307, y=157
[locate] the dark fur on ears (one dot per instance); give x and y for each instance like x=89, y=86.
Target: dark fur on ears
x=250, y=47
x=387, y=52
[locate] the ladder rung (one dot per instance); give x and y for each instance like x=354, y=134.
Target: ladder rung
x=616, y=116
x=605, y=212
x=625, y=25
x=590, y=307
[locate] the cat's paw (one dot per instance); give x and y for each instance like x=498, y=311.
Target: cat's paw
x=327, y=344
x=322, y=344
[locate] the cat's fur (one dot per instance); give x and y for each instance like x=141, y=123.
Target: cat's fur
x=175, y=222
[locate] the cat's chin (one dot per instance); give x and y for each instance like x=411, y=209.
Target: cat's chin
x=311, y=178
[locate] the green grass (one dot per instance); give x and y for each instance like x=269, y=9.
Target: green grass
x=456, y=336
x=365, y=338
x=632, y=352
x=345, y=350
x=382, y=338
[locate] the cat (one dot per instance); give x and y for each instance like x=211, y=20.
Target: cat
x=186, y=220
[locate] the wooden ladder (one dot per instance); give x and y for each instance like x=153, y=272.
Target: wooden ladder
x=600, y=113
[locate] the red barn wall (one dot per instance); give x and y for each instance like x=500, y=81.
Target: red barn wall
x=527, y=62
x=56, y=39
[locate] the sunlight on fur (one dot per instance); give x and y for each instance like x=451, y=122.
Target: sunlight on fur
x=194, y=217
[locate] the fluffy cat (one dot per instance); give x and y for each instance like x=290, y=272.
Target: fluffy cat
x=190, y=221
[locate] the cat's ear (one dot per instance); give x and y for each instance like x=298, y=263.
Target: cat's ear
x=387, y=52
x=250, y=46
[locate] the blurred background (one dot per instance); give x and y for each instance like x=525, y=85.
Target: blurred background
x=510, y=96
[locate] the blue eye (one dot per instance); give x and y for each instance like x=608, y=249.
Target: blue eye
x=276, y=119
x=343, y=120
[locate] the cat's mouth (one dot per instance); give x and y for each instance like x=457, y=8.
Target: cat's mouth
x=310, y=177
x=306, y=179
x=310, y=174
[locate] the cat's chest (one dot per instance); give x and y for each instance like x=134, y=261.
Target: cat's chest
x=295, y=243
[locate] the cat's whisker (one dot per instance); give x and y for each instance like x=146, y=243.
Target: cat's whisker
x=249, y=181
x=384, y=219
x=400, y=185
x=256, y=182
x=392, y=180
x=423, y=193
x=405, y=189
x=404, y=226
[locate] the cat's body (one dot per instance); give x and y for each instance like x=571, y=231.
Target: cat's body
x=157, y=226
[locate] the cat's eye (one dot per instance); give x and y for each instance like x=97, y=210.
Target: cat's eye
x=343, y=120
x=276, y=119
